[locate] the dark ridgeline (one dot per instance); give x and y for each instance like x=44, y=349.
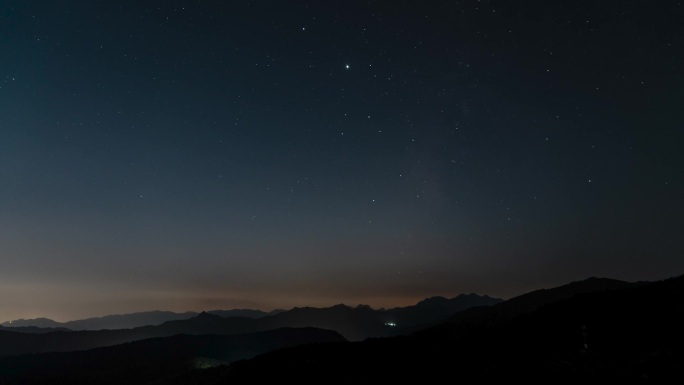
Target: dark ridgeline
x=354, y=323
x=468, y=321
x=128, y=321
x=175, y=348
x=592, y=331
x=361, y=322
x=33, y=329
x=152, y=360
x=435, y=309
x=607, y=332
x=12, y=343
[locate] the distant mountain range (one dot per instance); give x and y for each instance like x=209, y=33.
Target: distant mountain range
x=128, y=321
x=593, y=331
x=33, y=329
x=354, y=323
x=405, y=319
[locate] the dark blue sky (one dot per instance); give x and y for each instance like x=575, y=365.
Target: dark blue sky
x=192, y=155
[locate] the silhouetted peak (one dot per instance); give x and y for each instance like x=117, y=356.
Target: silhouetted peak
x=207, y=316
x=599, y=283
x=596, y=279
x=432, y=301
x=471, y=295
x=39, y=322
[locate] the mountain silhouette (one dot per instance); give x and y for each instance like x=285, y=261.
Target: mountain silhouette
x=156, y=358
x=592, y=331
x=362, y=324
x=435, y=309
x=475, y=318
x=132, y=320
x=354, y=323
x=606, y=332
x=34, y=329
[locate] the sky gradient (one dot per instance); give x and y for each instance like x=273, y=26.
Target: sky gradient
x=196, y=155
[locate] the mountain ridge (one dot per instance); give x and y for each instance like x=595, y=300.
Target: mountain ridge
x=158, y=357
x=608, y=331
x=129, y=320
x=590, y=331
x=353, y=323
x=157, y=317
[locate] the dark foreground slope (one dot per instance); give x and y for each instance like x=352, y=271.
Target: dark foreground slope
x=475, y=319
x=627, y=335
x=156, y=360
x=594, y=331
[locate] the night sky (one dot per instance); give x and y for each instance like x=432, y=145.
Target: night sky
x=197, y=155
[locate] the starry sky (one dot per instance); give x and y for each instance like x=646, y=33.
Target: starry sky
x=198, y=154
